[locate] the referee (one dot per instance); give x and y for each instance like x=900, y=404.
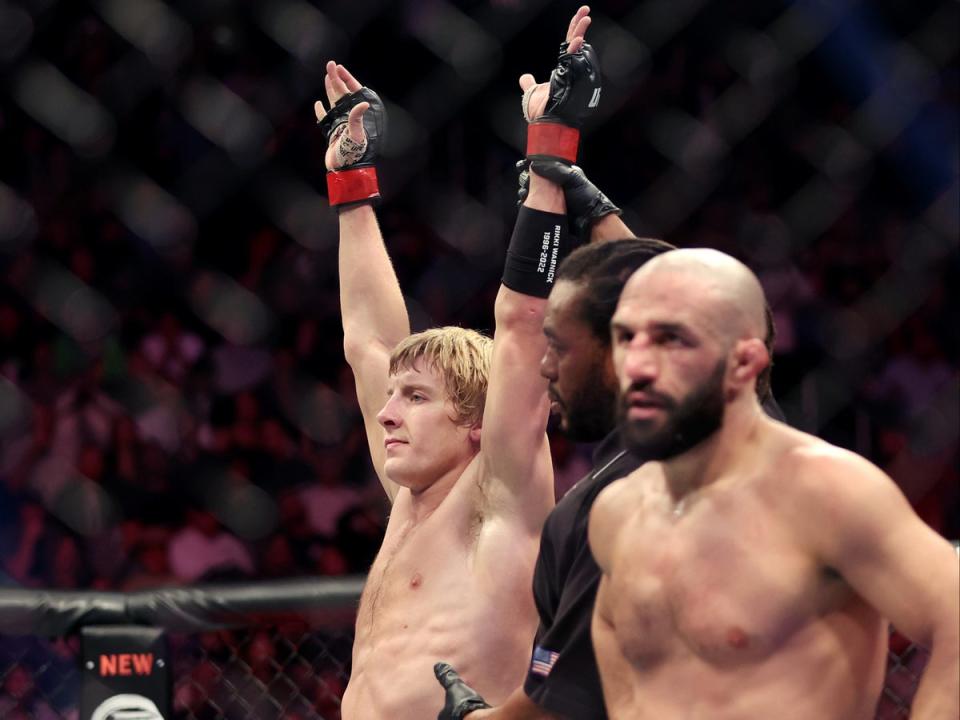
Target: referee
x=563, y=680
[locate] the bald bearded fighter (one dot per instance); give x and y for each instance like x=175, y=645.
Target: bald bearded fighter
x=752, y=570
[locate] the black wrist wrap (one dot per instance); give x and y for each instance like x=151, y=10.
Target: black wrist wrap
x=540, y=242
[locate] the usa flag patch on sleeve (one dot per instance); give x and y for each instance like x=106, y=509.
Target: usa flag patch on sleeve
x=543, y=661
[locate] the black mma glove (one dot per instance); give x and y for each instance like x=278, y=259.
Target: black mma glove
x=586, y=203
x=460, y=697
x=574, y=94
x=355, y=182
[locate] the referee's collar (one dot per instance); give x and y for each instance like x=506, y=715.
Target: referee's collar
x=608, y=448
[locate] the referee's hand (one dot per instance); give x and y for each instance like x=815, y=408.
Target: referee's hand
x=461, y=699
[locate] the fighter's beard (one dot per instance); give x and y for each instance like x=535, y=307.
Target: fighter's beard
x=688, y=423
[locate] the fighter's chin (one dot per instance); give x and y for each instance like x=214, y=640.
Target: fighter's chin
x=396, y=472
x=640, y=435
x=415, y=480
x=641, y=425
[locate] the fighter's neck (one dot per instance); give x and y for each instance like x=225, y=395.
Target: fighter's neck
x=717, y=457
x=424, y=501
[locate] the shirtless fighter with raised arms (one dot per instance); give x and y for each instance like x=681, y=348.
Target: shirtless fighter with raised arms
x=466, y=465
x=751, y=572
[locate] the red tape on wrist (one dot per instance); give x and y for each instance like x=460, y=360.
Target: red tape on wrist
x=552, y=140
x=350, y=186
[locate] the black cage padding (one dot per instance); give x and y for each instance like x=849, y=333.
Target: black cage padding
x=50, y=613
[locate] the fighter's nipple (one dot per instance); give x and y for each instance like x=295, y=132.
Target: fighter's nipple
x=737, y=638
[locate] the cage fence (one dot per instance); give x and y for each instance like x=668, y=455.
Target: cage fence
x=812, y=139
x=276, y=672
x=282, y=671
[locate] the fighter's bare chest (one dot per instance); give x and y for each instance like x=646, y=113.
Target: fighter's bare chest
x=720, y=582
x=417, y=567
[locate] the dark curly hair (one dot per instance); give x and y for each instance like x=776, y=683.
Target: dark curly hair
x=602, y=269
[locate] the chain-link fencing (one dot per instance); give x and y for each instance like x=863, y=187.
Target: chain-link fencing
x=252, y=674
x=277, y=672
x=285, y=672
x=160, y=187
x=166, y=249
x=256, y=651
x=905, y=665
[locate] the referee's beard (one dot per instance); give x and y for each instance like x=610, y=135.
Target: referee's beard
x=589, y=413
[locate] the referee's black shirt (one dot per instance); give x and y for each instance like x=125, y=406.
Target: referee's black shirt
x=563, y=676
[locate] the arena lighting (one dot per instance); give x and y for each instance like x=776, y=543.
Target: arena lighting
x=456, y=39
x=16, y=30
x=225, y=119
x=83, y=506
x=468, y=225
x=406, y=133
x=229, y=308
x=241, y=506
x=318, y=411
x=690, y=144
x=15, y=408
x=18, y=221
x=622, y=57
x=302, y=30
x=152, y=27
x=68, y=112
x=69, y=303
x=735, y=113
x=657, y=21
x=297, y=209
x=151, y=212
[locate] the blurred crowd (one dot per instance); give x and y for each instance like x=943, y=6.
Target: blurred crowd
x=174, y=403
x=180, y=412
x=99, y=498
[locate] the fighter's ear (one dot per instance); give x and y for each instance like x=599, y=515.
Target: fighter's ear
x=750, y=357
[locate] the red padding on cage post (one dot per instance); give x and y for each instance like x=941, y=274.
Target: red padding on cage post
x=552, y=140
x=351, y=186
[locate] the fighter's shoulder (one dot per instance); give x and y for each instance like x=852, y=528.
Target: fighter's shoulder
x=812, y=469
x=616, y=502
x=616, y=496
x=835, y=501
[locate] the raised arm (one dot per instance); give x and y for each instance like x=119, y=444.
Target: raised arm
x=894, y=561
x=610, y=227
x=513, y=442
x=371, y=304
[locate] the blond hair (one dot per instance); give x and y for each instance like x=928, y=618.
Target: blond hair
x=462, y=360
